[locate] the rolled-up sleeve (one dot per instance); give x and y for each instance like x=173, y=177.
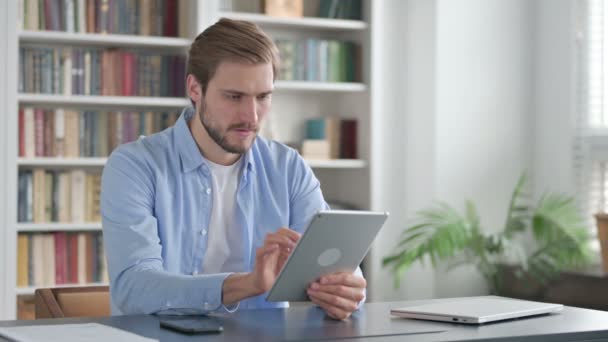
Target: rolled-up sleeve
x=138, y=281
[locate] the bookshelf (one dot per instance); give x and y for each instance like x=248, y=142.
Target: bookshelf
x=295, y=101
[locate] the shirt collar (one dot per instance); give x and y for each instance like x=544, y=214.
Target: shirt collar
x=190, y=156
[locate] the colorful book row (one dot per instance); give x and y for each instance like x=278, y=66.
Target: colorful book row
x=90, y=71
x=58, y=196
x=73, y=134
x=48, y=259
x=319, y=60
x=135, y=17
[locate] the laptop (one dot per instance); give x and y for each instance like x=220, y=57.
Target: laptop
x=476, y=310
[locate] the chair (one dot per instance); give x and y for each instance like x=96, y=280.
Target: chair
x=88, y=301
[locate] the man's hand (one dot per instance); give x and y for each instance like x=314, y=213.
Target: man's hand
x=338, y=294
x=286, y=239
x=269, y=260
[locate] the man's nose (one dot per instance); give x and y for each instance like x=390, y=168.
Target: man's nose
x=248, y=110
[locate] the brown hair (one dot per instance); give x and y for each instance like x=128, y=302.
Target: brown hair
x=230, y=40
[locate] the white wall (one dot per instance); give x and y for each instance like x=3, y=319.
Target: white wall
x=3, y=177
x=459, y=127
x=554, y=96
x=8, y=94
x=483, y=118
x=402, y=77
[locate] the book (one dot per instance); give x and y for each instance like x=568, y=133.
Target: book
x=284, y=8
x=49, y=259
x=22, y=260
x=348, y=139
x=38, y=251
x=61, y=258
x=39, y=197
x=315, y=149
x=82, y=258
x=73, y=258
x=325, y=129
x=78, y=194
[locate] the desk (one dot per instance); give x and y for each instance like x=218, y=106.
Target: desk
x=373, y=321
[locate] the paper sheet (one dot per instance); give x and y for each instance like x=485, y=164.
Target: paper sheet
x=86, y=332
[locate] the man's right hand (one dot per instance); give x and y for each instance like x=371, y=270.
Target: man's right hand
x=269, y=260
x=271, y=257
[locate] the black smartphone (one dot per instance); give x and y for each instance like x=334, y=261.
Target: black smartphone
x=192, y=324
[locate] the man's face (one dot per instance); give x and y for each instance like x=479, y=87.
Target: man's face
x=237, y=99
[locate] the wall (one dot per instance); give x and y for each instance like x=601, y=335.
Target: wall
x=484, y=123
x=467, y=128
x=8, y=92
x=404, y=82
x=554, y=97
x=3, y=176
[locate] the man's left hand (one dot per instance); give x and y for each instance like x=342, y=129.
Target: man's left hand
x=339, y=294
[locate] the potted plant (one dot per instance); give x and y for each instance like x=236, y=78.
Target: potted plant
x=536, y=242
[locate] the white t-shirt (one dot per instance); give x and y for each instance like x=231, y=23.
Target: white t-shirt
x=224, y=243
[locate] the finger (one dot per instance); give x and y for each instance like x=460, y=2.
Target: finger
x=332, y=311
x=282, y=241
x=291, y=234
x=264, y=250
x=345, y=304
x=342, y=278
x=352, y=293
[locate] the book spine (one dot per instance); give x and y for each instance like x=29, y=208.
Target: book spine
x=60, y=258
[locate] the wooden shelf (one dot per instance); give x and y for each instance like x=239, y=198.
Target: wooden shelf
x=336, y=163
x=30, y=290
x=61, y=227
x=350, y=87
x=105, y=101
x=96, y=39
x=311, y=23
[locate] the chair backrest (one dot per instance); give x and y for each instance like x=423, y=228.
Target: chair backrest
x=88, y=301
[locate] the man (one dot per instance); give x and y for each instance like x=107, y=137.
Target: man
x=202, y=216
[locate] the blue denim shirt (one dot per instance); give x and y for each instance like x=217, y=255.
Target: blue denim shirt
x=156, y=202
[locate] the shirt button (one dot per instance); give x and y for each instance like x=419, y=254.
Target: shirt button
x=195, y=272
x=204, y=232
x=206, y=306
x=208, y=191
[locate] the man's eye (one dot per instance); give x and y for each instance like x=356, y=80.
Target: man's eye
x=264, y=97
x=234, y=97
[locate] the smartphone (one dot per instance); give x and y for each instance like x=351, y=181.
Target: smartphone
x=192, y=324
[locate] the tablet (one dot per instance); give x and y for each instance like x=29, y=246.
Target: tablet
x=335, y=241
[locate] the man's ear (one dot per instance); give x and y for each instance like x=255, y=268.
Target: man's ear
x=194, y=89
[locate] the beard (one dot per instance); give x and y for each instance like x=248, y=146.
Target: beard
x=219, y=136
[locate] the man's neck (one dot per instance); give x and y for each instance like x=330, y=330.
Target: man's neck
x=207, y=146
